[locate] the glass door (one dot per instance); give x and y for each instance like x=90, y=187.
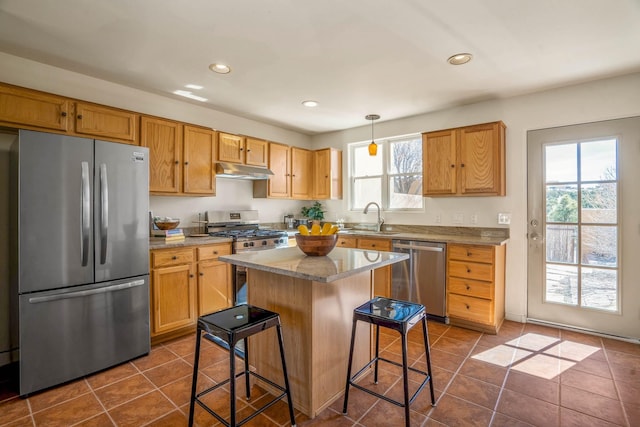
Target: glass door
x=583, y=226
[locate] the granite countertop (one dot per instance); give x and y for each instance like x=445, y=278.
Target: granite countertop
x=423, y=236
x=340, y=263
x=159, y=243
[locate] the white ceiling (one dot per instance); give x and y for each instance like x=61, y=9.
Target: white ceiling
x=355, y=57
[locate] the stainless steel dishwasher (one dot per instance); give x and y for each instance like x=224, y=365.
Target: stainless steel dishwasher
x=421, y=278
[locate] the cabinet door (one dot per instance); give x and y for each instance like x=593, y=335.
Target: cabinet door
x=105, y=122
x=164, y=139
x=256, y=152
x=199, y=157
x=482, y=159
x=280, y=164
x=230, y=148
x=327, y=181
x=31, y=109
x=173, y=295
x=347, y=242
x=214, y=286
x=439, y=163
x=301, y=167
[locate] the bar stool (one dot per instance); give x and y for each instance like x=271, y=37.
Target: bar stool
x=226, y=328
x=400, y=316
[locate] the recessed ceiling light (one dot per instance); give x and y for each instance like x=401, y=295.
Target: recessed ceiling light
x=192, y=86
x=460, y=58
x=188, y=94
x=310, y=103
x=220, y=68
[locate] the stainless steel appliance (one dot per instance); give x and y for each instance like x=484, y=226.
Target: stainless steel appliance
x=421, y=278
x=243, y=227
x=80, y=256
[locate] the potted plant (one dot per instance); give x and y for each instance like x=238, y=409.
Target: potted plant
x=313, y=212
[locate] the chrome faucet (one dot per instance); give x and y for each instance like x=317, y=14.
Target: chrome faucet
x=380, y=219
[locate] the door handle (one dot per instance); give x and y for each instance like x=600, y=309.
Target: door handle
x=78, y=294
x=85, y=213
x=104, y=213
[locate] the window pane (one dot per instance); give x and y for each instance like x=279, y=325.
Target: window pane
x=405, y=192
x=598, y=160
x=364, y=164
x=561, y=163
x=366, y=190
x=600, y=289
x=562, y=203
x=562, y=284
x=599, y=203
x=562, y=243
x=600, y=246
x=405, y=156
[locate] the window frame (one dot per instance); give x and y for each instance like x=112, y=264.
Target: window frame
x=384, y=150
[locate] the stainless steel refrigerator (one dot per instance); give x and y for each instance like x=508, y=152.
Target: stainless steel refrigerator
x=80, y=256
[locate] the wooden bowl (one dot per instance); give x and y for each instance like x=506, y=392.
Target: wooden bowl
x=166, y=224
x=316, y=245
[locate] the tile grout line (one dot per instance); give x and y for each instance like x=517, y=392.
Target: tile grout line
x=615, y=382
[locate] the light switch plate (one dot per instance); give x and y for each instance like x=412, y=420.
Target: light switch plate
x=504, y=218
x=458, y=218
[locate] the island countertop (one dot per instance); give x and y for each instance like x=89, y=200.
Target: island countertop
x=340, y=263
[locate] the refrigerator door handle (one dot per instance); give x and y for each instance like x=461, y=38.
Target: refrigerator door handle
x=85, y=213
x=104, y=213
x=78, y=294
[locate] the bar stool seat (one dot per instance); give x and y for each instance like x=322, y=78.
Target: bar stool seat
x=227, y=328
x=400, y=316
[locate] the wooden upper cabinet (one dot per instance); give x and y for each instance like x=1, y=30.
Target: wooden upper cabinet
x=105, y=122
x=279, y=185
x=230, y=148
x=30, y=109
x=164, y=139
x=327, y=180
x=468, y=161
x=199, y=160
x=256, y=152
x=301, y=173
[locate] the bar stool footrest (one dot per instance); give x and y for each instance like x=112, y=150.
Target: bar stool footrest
x=373, y=393
x=254, y=414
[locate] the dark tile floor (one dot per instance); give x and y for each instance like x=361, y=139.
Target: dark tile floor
x=525, y=375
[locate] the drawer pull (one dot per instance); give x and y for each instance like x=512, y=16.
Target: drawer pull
x=468, y=306
x=202, y=274
x=468, y=253
x=215, y=252
x=191, y=275
x=468, y=270
x=174, y=257
x=468, y=287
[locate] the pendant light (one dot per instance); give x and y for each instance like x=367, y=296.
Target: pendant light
x=373, y=147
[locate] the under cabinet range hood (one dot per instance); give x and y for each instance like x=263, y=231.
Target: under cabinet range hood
x=238, y=171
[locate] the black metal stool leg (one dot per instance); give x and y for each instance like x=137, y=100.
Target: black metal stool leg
x=405, y=378
x=232, y=382
x=246, y=368
x=346, y=388
x=194, y=380
x=427, y=353
x=286, y=375
x=375, y=369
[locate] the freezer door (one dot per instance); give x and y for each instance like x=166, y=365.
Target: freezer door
x=55, y=186
x=121, y=206
x=68, y=334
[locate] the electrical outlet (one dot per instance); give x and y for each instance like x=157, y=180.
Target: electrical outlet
x=438, y=218
x=474, y=218
x=504, y=218
x=458, y=218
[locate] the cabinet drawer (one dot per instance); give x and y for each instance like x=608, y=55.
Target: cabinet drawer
x=475, y=253
x=213, y=252
x=471, y=270
x=167, y=257
x=470, y=308
x=377, y=244
x=346, y=242
x=471, y=288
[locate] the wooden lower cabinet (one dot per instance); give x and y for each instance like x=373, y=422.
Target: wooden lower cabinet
x=382, y=275
x=475, y=286
x=179, y=295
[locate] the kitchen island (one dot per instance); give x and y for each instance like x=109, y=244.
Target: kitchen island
x=315, y=297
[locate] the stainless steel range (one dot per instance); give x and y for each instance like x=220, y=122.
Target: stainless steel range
x=243, y=227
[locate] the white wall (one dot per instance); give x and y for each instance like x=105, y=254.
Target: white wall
x=582, y=103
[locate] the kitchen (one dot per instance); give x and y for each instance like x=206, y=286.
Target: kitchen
x=578, y=102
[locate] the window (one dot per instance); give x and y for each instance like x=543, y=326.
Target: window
x=393, y=178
